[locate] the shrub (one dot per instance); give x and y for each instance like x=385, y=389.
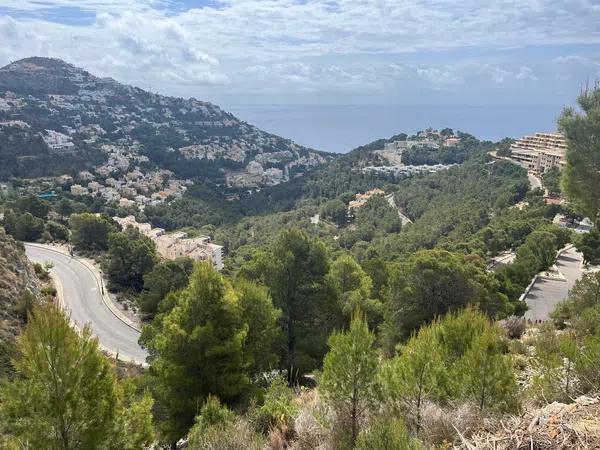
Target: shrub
x=278, y=409
x=24, y=305
x=515, y=327
x=41, y=271
x=49, y=291
x=439, y=424
x=237, y=435
x=386, y=435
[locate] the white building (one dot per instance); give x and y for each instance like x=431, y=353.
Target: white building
x=540, y=152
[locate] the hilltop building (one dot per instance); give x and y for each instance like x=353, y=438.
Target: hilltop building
x=540, y=152
x=178, y=244
x=362, y=199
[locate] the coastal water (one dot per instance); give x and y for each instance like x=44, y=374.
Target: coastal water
x=339, y=128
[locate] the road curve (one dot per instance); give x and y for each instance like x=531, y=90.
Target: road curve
x=82, y=298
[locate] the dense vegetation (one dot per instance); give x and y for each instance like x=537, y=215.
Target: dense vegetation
x=412, y=342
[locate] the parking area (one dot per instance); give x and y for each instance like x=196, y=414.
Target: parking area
x=546, y=292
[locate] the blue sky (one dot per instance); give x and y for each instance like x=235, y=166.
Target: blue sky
x=390, y=52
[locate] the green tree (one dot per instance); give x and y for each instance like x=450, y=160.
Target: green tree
x=589, y=245
x=581, y=174
x=348, y=379
x=33, y=205
x=90, y=232
x=131, y=255
x=551, y=180
x=554, y=365
x=416, y=375
x=295, y=270
x=353, y=287
x=335, y=210
x=488, y=374
x=432, y=283
x=23, y=226
x=64, y=395
x=197, y=346
x=166, y=276
x=585, y=294
x=64, y=208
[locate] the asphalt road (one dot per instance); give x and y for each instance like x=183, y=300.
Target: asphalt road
x=81, y=296
x=546, y=293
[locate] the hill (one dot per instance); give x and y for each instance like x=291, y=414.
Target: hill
x=56, y=118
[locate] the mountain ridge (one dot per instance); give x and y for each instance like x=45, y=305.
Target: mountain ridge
x=192, y=138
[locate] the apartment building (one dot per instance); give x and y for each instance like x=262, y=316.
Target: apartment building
x=540, y=152
x=178, y=244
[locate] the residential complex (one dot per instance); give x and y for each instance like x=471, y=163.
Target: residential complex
x=362, y=199
x=178, y=244
x=540, y=152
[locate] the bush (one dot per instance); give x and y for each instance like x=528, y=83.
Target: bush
x=237, y=435
x=42, y=272
x=278, y=409
x=438, y=423
x=24, y=305
x=49, y=291
x=386, y=435
x=515, y=327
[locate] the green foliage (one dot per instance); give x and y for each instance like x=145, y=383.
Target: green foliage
x=131, y=255
x=90, y=232
x=24, y=305
x=585, y=294
x=433, y=282
x=551, y=180
x=57, y=231
x=212, y=413
x=581, y=174
x=23, y=226
x=237, y=435
x=278, y=409
x=33, y=205
x=416, y=375
x=348, y=380
x=294, y=269
x=65, y=394
x=198, y=346
x=166, y=276
x=488, y=374
x=554, y=365
x=387, y=434
x=335, y=210
x=353, y=288
x=460, y=357
x=589, y=245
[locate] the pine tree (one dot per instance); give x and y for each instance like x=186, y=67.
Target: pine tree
x=348, y=379
x=199, y=345
x=417, y=374
x=581, y=175
x=64, y=395
x=488, y=374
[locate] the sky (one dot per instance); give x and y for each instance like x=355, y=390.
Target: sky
x=321, y=52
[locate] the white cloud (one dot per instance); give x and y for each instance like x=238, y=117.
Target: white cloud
x=343, y=46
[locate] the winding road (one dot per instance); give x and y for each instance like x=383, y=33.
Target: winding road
x=81, y=296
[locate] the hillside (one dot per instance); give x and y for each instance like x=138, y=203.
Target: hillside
x=56, y=118
x=16, y=278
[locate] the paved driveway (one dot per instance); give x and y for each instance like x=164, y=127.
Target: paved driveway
x=546, y=293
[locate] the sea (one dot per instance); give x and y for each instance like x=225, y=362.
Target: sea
x=341, y=128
